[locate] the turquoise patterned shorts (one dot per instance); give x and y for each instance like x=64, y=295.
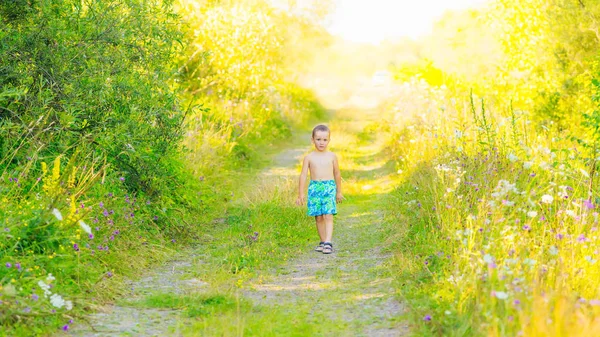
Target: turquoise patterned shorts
x=321, y=197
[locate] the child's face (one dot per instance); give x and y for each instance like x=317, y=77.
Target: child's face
x=321, y=140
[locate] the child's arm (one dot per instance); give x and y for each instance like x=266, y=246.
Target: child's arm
x=302, y=183
x=338, y=179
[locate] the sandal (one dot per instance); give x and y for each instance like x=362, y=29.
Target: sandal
x=319, y=248
x=327, y=248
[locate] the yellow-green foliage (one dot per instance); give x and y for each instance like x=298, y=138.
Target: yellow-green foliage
x=502, y=224
x=500, y=191
x=117, y=121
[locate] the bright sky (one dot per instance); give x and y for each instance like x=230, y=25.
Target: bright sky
x=374, y=20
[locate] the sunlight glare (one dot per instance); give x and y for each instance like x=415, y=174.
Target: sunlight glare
x=376, y=20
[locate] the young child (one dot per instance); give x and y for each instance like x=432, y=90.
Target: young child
x=324, y=189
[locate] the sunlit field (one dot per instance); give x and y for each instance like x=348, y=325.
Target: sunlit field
x=132, y=133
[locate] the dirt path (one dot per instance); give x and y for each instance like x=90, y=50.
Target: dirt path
x=351, y=287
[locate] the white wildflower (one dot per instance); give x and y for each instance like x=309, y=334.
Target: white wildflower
x=570, y=213
x=532, y=214
x=553, y=250
x=527, y=165
x=512, y=157
x=487, y=258
x=501, y=295
x=85, y=227
x=57, y=301
x=50, y=278
x=589, y=259
x=547, y=199
x=68, y=305
x=57, y=214
x=529, y=262
x=45, y=288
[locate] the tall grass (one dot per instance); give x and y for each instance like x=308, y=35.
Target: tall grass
x=497, y=221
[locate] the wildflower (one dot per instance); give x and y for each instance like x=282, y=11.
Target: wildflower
x=526, y=227
x=68, y=305
x=105, y=213
x=560, y=236
x=65, y=327
x=570, y=213
x=57, y=301
x=516, y=302
x=581, y=238
x=527, y=165
x=18, y=265
x=50, y=278
x=85, y=227
x=427, y=318
x=594, y=302
x=173, y=240
x=101, y=204
x=487, y=258
x=553, y=250
x=8, y=264
x=547, y=199
x=588, y=204
x=501, y=295
x=512, y=157
x=35, y=297
x=532, y=214
x=91, y=236
x=122, y=178
x=109, y=274
x=57, y=214
x=589, y=259
x=45, y=288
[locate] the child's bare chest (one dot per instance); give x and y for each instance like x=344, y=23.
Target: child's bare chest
x=321, y=167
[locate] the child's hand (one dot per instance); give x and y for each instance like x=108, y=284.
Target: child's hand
x=339, y=197
x=300, y=201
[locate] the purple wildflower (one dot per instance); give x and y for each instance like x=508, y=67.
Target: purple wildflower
x=35, y=297
x=8, y=264
x=122, y=179
x=526, y=227
x=76, y=247
x=109, y=274
x=581, y=238
x=516, y=302
x=91, y=236
x=588, y=204
x=101, y=204
x=65, y=327
x=427, y=318
x=105, y=213
x=18, y=265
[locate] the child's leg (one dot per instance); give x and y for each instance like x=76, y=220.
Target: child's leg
x=321, y=227
x=328, y=220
